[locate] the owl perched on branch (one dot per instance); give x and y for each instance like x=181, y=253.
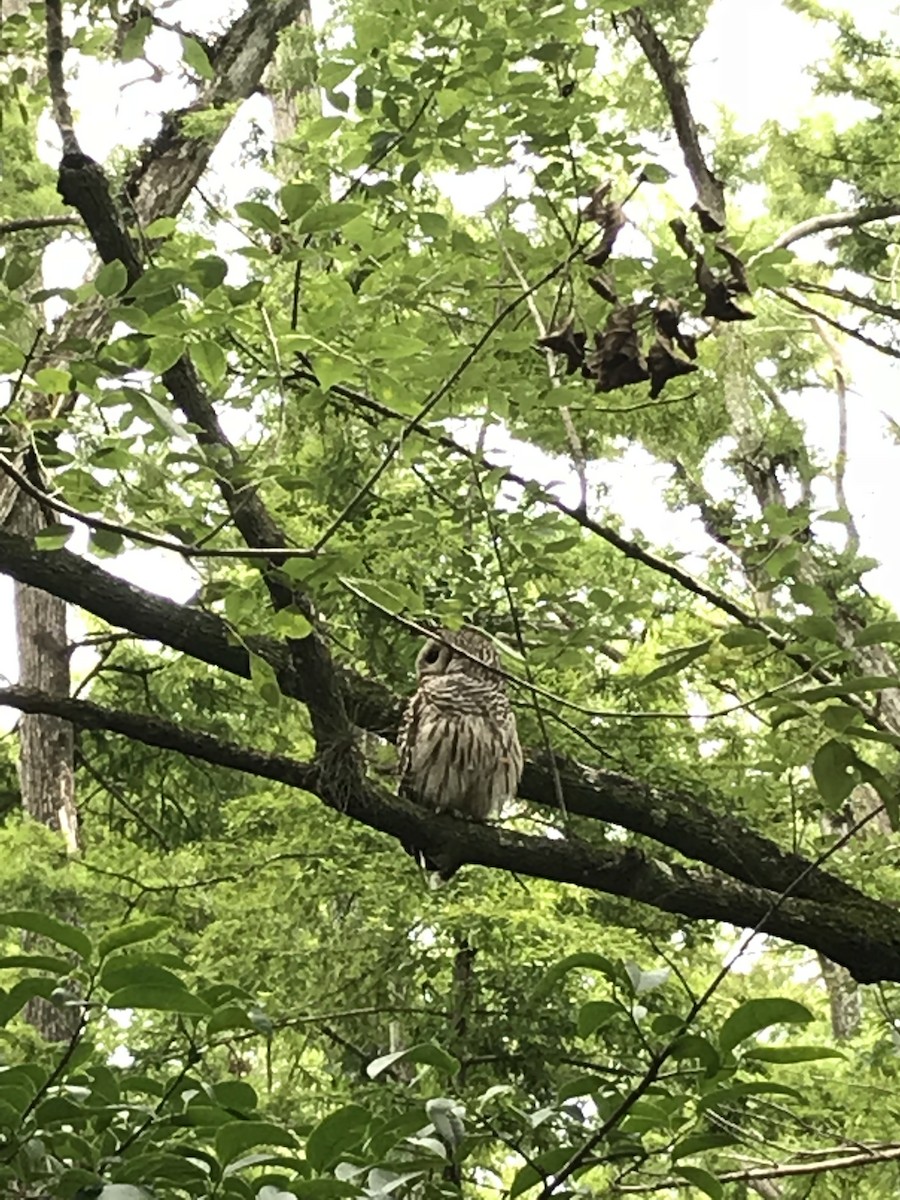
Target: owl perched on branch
x=459, y=749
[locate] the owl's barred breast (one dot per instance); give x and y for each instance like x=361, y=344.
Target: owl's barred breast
x=462, y=761
x=459, y=749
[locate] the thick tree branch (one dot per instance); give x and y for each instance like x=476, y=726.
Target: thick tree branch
x=864, y=937
x=83, y=184
x=710, y=205
x=173, y=162
x=838, y=220
x=672, y=818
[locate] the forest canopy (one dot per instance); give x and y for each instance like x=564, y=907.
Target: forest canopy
x=320, y=330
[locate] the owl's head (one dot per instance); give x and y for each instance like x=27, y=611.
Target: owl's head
x=438, y=658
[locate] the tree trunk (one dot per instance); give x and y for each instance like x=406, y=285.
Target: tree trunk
x=46, y=744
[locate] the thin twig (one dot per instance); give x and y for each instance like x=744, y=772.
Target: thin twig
x=138, y=535
x=22, y=224
x=785, y=294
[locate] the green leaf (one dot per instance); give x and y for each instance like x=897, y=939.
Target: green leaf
x=645, y=981
x=53, y=381
x=111, y=279
x=390, y=598
x=540, y=1169
x=158, y=415
x=834, y=769
x=11, y=357
x=848, y=687
x=655, y=173
x=334, y=368
x=298, y=198
x=694, y=1045
x=159, y=998
x=235, y=1138
x=878, y=633
x=19, y=269
x=229, y=1016
x=265, y=680
x=840, y=717
x=161, y=227
x=595, y=1014
x=593, y=962
x=259, y=215
x=290, y=624
x=122, y=1191
x=706, y=1183
x=446, y=1117
x=754, y=1015
x=17, y=997
x=196, y=58
x=675, y=662
x=35, y=962
x=106, y=543
x=209, y=359
x=337, y=1136
x=741, y=636
x=132, y=48
x=426, y=1053
x=822, y=629
x=326, y=1188
x=130, y=934
x=207, y=274
x=433, y=224
x=726, y=1096
x=53, y=537
x=697, y=1143
x=164, y=353
x=579, y=1085
x=329, y=216
x=57, y=931
x=792, y=1054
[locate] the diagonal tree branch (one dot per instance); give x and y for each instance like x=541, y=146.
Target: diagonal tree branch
x=864, y=937
x=672, y=818
x=710, y=205
x=837, y=220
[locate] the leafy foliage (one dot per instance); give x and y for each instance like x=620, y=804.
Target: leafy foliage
x=265, y=1002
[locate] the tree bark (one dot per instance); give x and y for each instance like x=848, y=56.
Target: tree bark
x=46, y=743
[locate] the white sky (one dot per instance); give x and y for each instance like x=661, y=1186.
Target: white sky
x=752, y=59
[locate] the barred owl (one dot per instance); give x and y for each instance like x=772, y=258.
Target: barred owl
x=459, y=749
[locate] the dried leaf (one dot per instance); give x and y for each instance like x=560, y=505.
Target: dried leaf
x=664, y=364
x=566, y=341
x=738, y=279
x=609, y=215
x=603, y=288
x=617, y=359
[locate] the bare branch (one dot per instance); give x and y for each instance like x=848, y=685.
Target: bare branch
x=872, y=1157
x=23, y=224
x=838, y=220
x=785, y=294
x=710, y=205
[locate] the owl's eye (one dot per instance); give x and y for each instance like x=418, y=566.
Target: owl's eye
x=431, y=655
